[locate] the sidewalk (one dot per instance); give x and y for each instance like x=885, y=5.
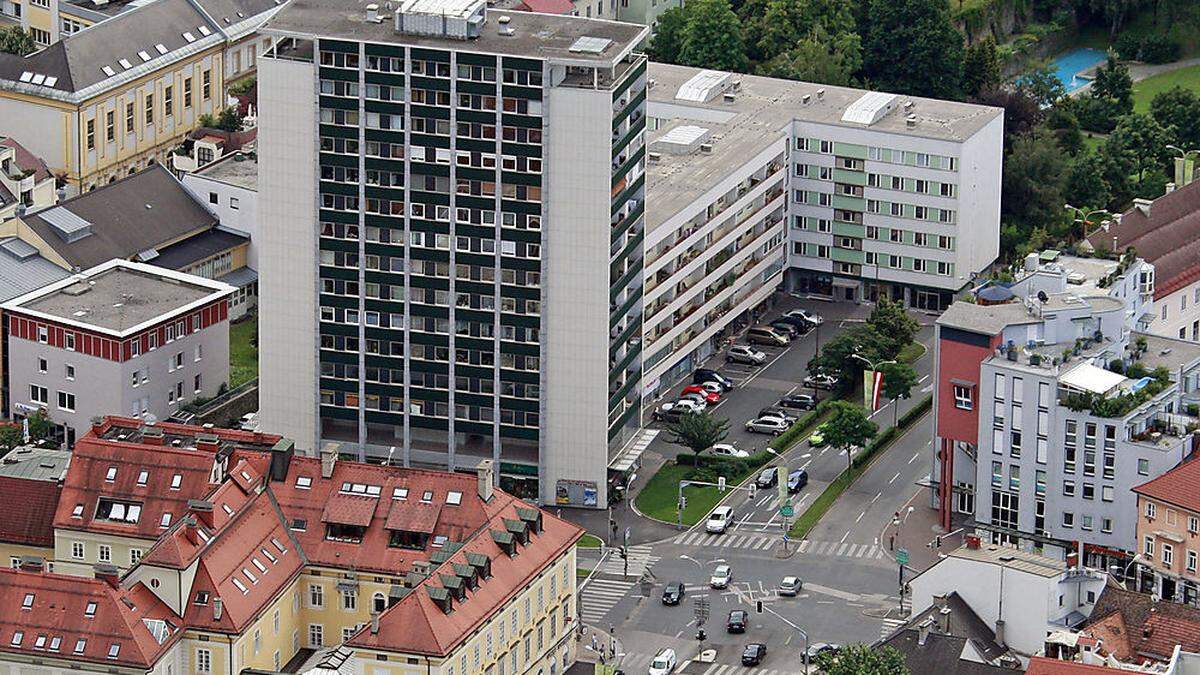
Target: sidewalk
x=641, y=530
x=917, y=534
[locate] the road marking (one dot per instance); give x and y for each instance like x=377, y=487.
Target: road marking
x=877, y=496
x=764, y=500
x=843, y=542
x=922, y=380
x=893, y=480
x=860, y=516
x=914, y=457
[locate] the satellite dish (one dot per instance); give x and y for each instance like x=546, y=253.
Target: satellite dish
x=1043, y=297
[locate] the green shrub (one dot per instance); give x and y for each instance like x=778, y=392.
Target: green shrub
x=1147, y=47
x=915, y=413
x=798, y=430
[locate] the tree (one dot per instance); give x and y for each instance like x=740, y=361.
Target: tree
x=1178, y=110
x=819, y=58
x=898, y=382
x=834, y=358
x=786, y=22
x=913, y=47
x=1033, y=180
x=848, y=427
x=1116, y=166
x=981, y=67
x=1114, y=11
x=1042, y=85
x=668, y=35
x=1062, y=121
x=860, y=659
x=1112, y=82
x=1086, y=184
x=893, y=325
x=1021, y=112
x=10, y=436
x=712, y=37
x=14, y=40
x=1145, y=140
x=229, y=119
x=698, y=432
x=40, y=426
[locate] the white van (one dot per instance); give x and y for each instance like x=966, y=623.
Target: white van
x=720, y=520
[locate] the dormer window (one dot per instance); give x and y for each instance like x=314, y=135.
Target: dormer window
x=165, y=521
x=55, y=642
x=400, y=493
x=118, y=512
x=240, y=586
x=114, y=650
x=17, y=637
x=440, y=541
x=410, y=540
x=201, y=598
x=90, y=610
x=111, y=475
x=303, y=482
x=176, y=481
x=350, y=534
x=77, y=512
x=27, y=603
x=454, y=498
x=143, y=477
x=40, y=641
x=80, y=645
x=427, y=497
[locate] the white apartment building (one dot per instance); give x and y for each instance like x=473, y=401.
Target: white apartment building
x=756, y=183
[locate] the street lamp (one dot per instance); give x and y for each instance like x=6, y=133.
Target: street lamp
x=1084, y=217
x=1125, y=572
x=870, y=364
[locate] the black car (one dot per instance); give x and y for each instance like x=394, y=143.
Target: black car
x=786, y=328
x=702, y=375
x=737, y=621
x=797, y=479
x=800, y=324
x=754, y=654
x=799, y=401
x=767, y=478
x=673, y=593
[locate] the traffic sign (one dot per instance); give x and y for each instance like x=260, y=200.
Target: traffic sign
x=786, y=510
x=902, y=556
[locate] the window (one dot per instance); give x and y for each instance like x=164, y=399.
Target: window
x=1151, y=509
x=349, y=599
x=316, y=635
x=1193, y=524
x=91, y=134
x=168, y=101
x=110, y=126
x=1168, y=554
x=187, y=97
x=135, y=556
x=104, y=553
x=203, y=661
x=206, y=85
x=234, y=203
x=1106, y=493
x=1068, y=519
x=69, y=371
x=1143, y=467
x=316, y=596
x=66, y=401
x=1068, y=488
x=1148, y=546
x=77, y=550
x=39, y=394
x=129, y=118
x=149, y=109
x=962, y=397
x=114, y=650
x=1191, y=561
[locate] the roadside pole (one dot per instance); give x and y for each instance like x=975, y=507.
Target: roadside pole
x=901, y=561
x=761, y=607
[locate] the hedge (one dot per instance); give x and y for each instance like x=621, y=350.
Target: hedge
x=798, y=429
x=914, y=413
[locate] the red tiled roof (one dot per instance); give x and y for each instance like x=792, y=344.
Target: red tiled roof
x=350, y=510
x=412, y=517
x=1177, y=486
x=1040, y=665
x=549, y=6
x=1133, y=627
x=60, y=605
x=29, y=507
x=416, y=624
x=1168, y=237
x=93, y=459
x=27, y=161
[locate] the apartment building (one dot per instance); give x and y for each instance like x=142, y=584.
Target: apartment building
x=25, y=181
x=120, y=336
x=104, y=102
x=375, y=567
x=757, y=183
x=645, y=12
x=1163, y=232
x=1072, y=410
x=1168, y=535
x=442, y=321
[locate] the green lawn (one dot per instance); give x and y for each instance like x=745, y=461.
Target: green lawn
x=243, y=354
x=911, y=352
x=590, y=541
x=1144, y=91
x=658, y=498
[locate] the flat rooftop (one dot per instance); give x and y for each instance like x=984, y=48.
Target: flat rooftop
x=1170, y=353
x=985, y=319
x=1012, y=558
x=534, y=36
x=34, y=463
x=229, y=169
x=757, y=117
x=119, y=297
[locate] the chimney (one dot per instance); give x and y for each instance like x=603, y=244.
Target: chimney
x=208, y=442
x=944, y=620
x=923, y=631
x=485, y=477
x=33, y=563
x=972, y=542
x=218, y=608
x=190, y=530
x=1000, y=632
x=329, y=455
x=373, y=13
x=281, y=459
x=108, y=574
x=374, y=622
x=97, y=424
x=151, y=434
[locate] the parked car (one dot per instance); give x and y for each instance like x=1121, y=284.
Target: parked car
x=719, y=520
x=745, y=354
x=797, y=480
x=785, y=328
x=767, y=477
x=802, y=325
x=664, y=663
x=721, y=577
x=754, y=654
x=774, y=411
x=767, y=425
x=817, y=438
x=799, y=401
x=671, y=411
x=737, y=621
x=709, y=397
x=818, y=648
x=762, y=335
x=727, y=450
x=249, y=421
x=702, y=375
x=791, y=586
x=811, y=317
x=820, y=381
x=673, y=593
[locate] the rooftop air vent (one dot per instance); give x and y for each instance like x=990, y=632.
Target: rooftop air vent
x=806, y=98
x=729, y=98
x=506, y=31
x=910, y=121
x=373, y=13
x=504, y=19
x=706, y=148
x=820, y=94
x=653, y=156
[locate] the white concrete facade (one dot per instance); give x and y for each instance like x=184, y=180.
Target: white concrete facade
x=1177, y=314
x=288, y=242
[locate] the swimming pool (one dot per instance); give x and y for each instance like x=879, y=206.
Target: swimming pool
x=1068, y=65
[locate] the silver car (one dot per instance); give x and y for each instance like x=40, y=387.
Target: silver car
x=746, y=354
x=767, y=425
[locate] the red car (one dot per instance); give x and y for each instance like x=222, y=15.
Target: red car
x=710, y=396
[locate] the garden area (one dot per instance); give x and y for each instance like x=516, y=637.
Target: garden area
x=243, y=351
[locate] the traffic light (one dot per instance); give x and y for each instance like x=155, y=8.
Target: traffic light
x=624, y=554
x=758, y=606
x=683, y=502
x=721, y=483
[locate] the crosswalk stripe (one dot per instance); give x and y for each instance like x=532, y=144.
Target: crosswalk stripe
x=764, y=544
x=804, y=545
